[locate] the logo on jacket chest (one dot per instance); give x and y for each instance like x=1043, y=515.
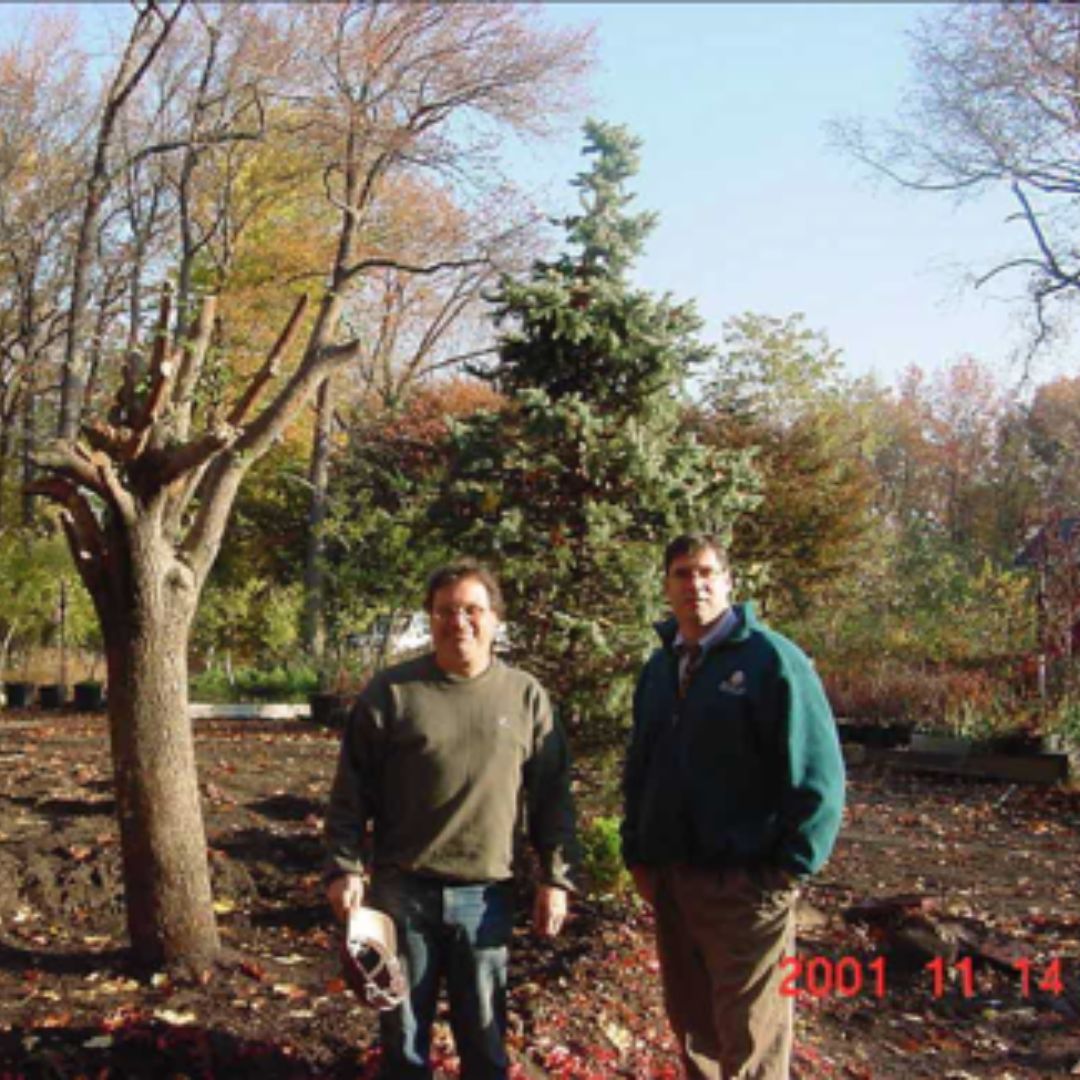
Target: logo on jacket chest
x=735, y=683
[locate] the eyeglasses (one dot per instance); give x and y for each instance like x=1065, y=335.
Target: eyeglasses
x=472, y=612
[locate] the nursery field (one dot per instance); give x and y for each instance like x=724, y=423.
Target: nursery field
x=942, y=940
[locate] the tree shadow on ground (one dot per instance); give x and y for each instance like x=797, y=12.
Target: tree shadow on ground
x=144, y=1050
x=293, y=854
x=285, y=807
x=84, y=962
x=59, y=809
x=226, y=726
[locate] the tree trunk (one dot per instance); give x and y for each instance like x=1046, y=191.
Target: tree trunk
x=7, y=455
x=314, y=622
x=28, y=449
x=163, y=840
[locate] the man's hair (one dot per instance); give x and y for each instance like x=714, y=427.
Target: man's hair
x=462, y=570
x=691, y=544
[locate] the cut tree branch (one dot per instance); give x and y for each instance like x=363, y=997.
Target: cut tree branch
x=269, y=370
x=222, y=478
x=160, y=368
x=81, y=526
x=73, y=464
x=194, y=351
x=119, y=443
x=192, y=456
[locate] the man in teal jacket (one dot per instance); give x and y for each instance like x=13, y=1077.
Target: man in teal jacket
x=734, y=790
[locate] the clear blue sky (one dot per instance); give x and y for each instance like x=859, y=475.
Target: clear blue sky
x=757, y=212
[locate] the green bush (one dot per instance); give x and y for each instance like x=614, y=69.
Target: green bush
x=1062, y=718
x=254, y=623
x=602, y=857
x=278, y=684
x=33, y=569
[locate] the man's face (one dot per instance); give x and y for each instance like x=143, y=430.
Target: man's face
x=698, y=588
x=463, y=627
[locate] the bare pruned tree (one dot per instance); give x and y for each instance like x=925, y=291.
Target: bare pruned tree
x=204, y=102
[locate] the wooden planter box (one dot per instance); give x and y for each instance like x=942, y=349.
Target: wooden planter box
x=883, y=735
x=954, y=745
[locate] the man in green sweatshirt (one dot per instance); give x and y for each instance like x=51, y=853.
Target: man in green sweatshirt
x=437, y=758
x=734, y=789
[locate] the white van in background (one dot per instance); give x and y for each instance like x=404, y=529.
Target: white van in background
x=394, y=634
x=408, y=633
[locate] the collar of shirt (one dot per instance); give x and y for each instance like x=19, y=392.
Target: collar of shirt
x=716, y=633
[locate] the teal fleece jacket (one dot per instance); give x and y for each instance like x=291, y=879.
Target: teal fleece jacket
x=746, y=770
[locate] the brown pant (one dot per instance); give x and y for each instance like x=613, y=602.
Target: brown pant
x=721, y=935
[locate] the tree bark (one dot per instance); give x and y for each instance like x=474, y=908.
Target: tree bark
x=314, y=623
x=7, y=450
x=28, y=449
x=166, y=873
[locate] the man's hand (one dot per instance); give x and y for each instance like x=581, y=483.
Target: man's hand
x=345, y=893
x=645, y=883
x=549, y=910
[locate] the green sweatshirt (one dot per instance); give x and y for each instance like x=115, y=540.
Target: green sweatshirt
x=438, y=765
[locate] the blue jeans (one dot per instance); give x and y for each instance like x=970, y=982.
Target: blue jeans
x=460, y=932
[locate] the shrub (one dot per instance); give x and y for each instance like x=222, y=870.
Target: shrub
x=966, y=701
x=602, y=857
x=279, y=684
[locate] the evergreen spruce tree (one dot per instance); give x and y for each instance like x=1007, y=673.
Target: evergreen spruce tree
x=571, y=490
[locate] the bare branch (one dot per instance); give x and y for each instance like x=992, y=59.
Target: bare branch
x=73, y=464
x=407, y=268
x=219, y=485
x=114, y=491
x=85, y=524
x=81, y=528
x=269, y=369
x=118, y=443
x=193, y=144
x=1052, y=266
x=194, y=350
x=183, y=460
x=160, y=369
x=127, y=83
x=1012, y=264
x=459, y=358
x=127, y=78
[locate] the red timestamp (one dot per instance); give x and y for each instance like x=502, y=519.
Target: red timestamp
x=821, y=976
x=849, y=976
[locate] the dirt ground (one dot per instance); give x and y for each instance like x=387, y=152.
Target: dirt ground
x=981, y=876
